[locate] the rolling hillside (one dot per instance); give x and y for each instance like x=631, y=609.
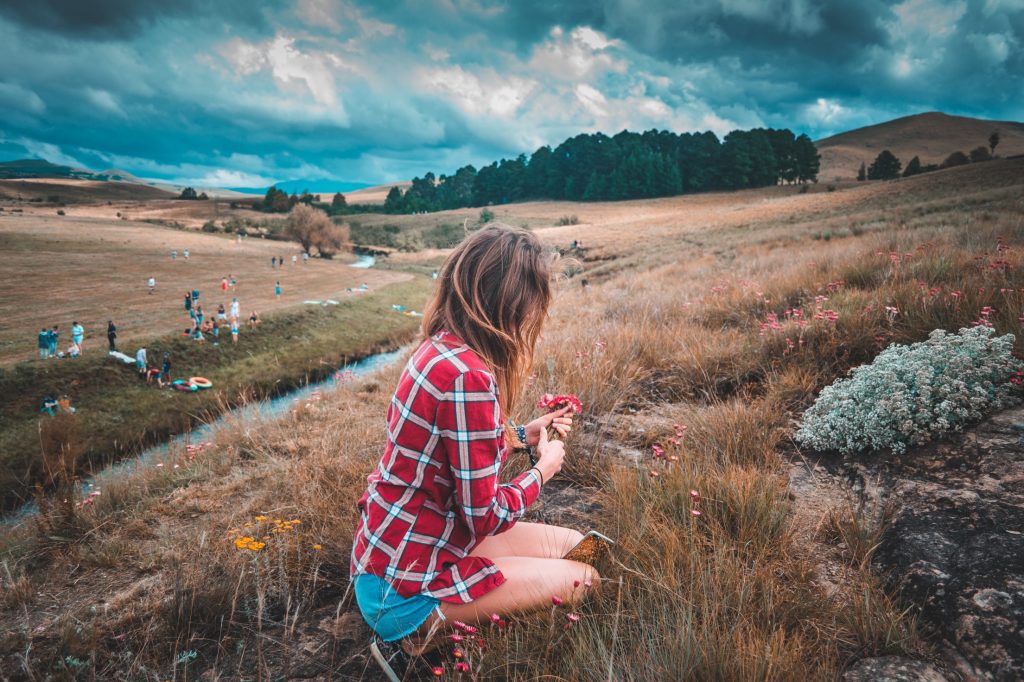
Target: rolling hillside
x=932, y=136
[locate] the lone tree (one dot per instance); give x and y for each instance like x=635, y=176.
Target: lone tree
x=980, y=153
x=885, y=167
x=338, y=202
x=188, y=193
x=956, y=159
x=993, y=141
x=862, y=174
x=311, y=228
x=913, y=168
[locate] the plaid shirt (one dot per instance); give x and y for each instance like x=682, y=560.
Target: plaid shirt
x=435, y=494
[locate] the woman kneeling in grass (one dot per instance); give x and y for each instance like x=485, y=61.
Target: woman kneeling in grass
x=439, y=537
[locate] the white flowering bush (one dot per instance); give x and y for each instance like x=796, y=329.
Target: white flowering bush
x=911, y=394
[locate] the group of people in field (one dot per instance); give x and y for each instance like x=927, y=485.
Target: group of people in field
x=226, y=320
x=161, y=376
x=49, y=342
x=279, y=261
x=201, y=326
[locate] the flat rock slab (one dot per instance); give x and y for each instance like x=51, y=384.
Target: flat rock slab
x=893, y=669
x=955, y=547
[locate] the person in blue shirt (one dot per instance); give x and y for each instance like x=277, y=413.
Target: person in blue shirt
x=54, y=337
x=277, y=289
x=77, y=335
x=165, y=371
x=44, y=343
x=188, y=301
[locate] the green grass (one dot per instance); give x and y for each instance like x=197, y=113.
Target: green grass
x=119, y=414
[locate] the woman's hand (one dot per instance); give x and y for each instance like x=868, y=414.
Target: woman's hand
x=559, y=420
x=550, y=454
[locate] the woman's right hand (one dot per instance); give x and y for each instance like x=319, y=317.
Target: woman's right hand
x=550, y=454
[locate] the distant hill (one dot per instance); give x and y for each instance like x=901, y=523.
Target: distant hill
x=75, y=190
x=374, y=195
x=932, y=136
x=39, y=168
x=323, y=187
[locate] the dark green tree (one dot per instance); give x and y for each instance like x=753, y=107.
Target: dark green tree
x=393, y=202
x=339, y=203
x=956, y=159
x=188, y=193
x=913, y=168
x=993, y=141
x=862, y=174
x=808, y=160
x=980, y=154
x=885, y=167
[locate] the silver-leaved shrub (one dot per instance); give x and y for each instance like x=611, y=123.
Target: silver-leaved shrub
x=911, y=394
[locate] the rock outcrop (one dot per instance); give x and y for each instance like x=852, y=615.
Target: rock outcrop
x=955, y=546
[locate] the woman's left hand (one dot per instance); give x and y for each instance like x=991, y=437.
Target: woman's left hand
x=559, y=420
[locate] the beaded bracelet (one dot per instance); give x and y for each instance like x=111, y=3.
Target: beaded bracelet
x=521, y=435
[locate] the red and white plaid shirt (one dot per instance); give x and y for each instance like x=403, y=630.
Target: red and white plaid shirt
x=435, y=494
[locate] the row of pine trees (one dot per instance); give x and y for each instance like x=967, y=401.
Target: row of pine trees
x=596, y=167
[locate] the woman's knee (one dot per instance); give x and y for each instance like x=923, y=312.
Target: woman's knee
x=584, y=577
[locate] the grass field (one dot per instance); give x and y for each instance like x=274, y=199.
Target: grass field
x=118, y=413
x=57, y=269
x=669, y=334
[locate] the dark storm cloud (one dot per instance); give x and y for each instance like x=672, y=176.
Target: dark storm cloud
x=99, y=19
x=238, y=92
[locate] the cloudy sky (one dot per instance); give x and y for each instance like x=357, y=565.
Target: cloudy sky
x=243, y=93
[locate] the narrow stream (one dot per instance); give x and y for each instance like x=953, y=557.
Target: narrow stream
x=364, y=262
x=270, y=407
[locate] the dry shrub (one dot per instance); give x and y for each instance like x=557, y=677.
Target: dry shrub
x=60, y=440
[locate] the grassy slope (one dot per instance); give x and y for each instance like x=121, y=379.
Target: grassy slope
x=119, y=413
x=748, y=590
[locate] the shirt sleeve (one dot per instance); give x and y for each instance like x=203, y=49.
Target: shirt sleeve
x=469, y=419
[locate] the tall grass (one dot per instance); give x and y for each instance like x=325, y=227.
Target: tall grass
x=677, y=356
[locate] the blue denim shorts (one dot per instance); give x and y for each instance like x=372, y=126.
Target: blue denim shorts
x=389, y=614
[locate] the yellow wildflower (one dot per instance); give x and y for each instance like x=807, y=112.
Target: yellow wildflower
x=317, y=547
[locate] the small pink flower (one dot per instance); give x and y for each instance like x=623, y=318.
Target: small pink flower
x=556, y=600
x=495, y=618
x=462, y=667
x=575, y=584
x=695, y=512
x=588, y=583
x=438, y=671
x=456, y=638
x=458, y=653
x=469, y=629
x=573, y=617
x=459, y=624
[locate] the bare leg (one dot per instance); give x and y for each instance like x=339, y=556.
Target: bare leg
x=528, y=555
x=529, y=540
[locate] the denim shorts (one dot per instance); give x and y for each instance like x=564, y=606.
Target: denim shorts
x=389, y=614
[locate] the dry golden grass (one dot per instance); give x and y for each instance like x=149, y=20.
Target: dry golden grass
x=672, y=341
x=60, y=269
x=932, y=136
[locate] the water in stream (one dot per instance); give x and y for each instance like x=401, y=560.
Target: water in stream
x=270, y=407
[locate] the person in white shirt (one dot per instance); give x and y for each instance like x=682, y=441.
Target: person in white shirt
x=140, y=360
x=234, y=309
x=152, y=284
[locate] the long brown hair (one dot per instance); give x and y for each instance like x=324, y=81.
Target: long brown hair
x=493, y=293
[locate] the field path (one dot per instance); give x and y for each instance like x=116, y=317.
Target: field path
x=59, y=269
